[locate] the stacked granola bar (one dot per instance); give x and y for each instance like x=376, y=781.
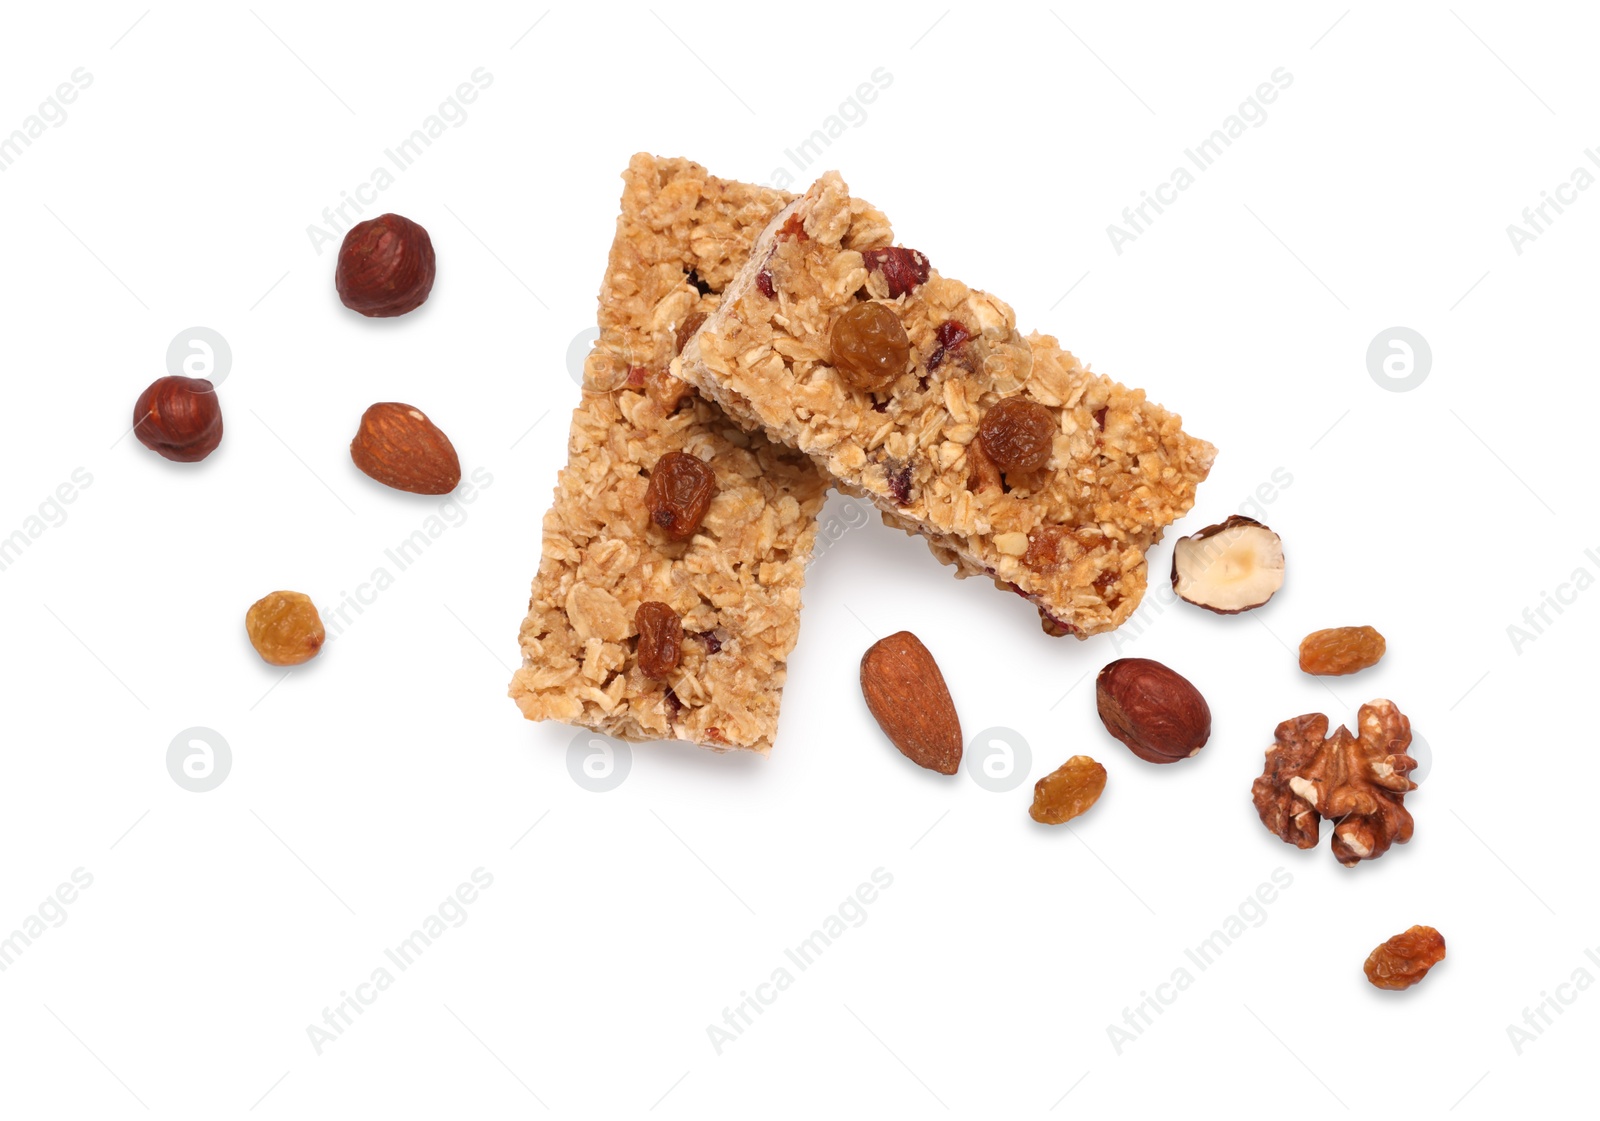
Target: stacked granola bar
x=1070, y=534
x=680, y=239
x=736, y=291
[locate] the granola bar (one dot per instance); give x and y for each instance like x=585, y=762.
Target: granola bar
x=1068, y=531
x=680, y=239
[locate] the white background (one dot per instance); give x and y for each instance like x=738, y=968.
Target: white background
x=367, y=785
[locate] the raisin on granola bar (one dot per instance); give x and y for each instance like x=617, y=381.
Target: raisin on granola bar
x=1005, y=453
x=732, y=575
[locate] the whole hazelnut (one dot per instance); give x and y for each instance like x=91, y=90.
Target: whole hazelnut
x=179, y=418
x=385, y=266
x=1152, y=709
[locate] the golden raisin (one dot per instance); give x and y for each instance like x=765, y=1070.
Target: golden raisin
x=660, y=638
x=688, y=328
x=285, y=628
x=1340, y=650
x=982, y=474
x=1052, y=546
x=793, y=228
x=1067, y=791
x=1017, y=434
x=680, y=492
x=1405, y=959
x=665, y=390
x=870, y=347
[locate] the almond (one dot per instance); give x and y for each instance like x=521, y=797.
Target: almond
x=401, y=448
x=907, y=696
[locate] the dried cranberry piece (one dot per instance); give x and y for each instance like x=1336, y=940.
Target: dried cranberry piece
x=903, y=269
x=900, y=484
x=952, y=336
x=764, y=282
x=713, y=643
x=1100, y=416
x=636, y=376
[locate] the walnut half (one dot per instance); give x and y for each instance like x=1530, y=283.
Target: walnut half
x=1358, y=782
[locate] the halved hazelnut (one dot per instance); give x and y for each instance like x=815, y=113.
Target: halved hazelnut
x=1233, y=566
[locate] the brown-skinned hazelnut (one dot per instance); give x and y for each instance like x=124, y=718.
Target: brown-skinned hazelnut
x=386, y=266
x=1152, y=709
x=179, y=418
